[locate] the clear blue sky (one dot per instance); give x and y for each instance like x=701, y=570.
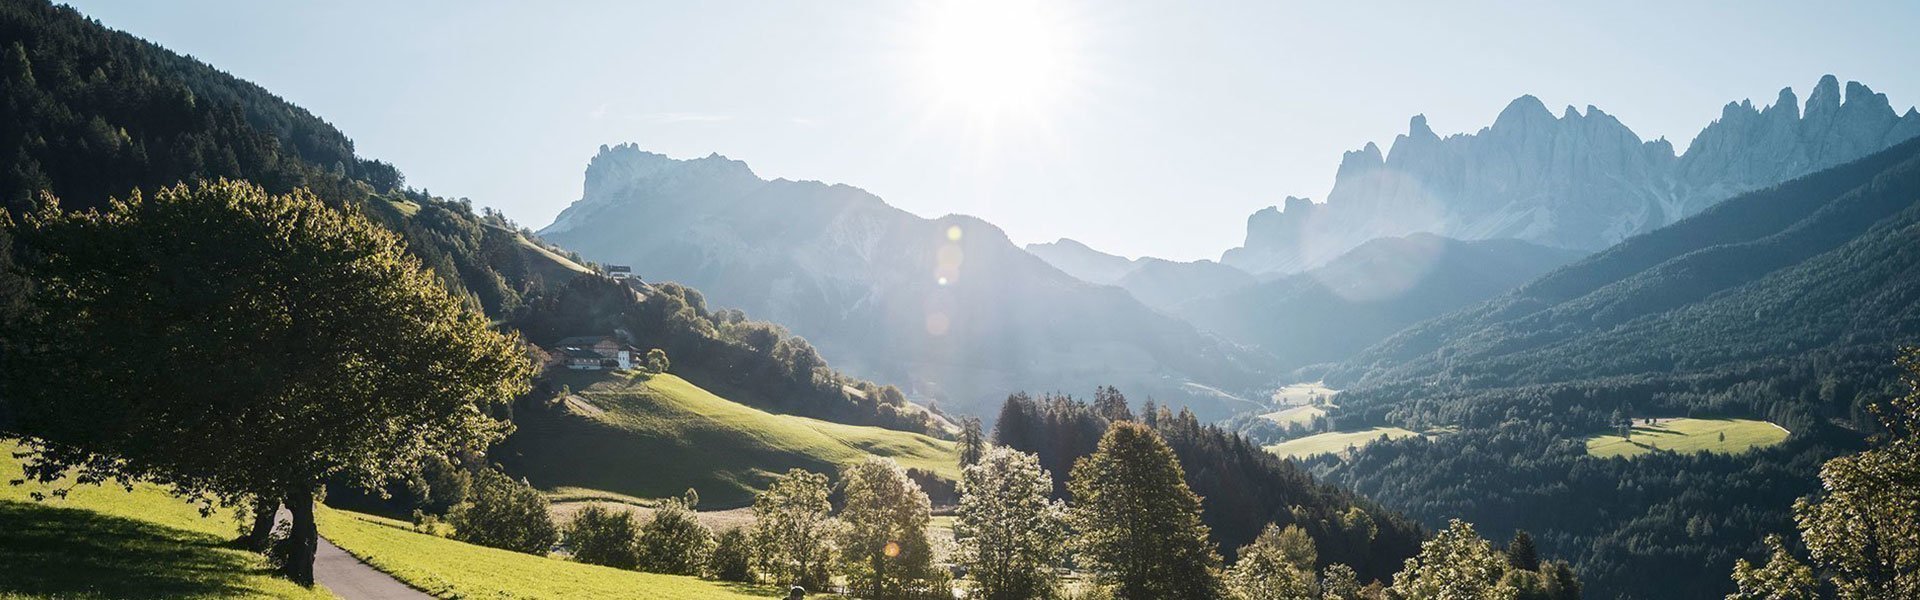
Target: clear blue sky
x=1148, y=128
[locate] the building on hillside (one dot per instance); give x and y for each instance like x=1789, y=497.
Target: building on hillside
x=619, y=272
x=595, y=352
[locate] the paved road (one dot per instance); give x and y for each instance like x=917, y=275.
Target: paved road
x=351, y=579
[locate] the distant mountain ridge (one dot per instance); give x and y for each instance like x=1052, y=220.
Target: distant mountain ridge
x=949, y=308
x=1373, y=291
x=1579, y=180
x=1160, y=283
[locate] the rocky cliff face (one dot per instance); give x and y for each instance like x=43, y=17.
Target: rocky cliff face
x=1581, y=180
x=947, y=308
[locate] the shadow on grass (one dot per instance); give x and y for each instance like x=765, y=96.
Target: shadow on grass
x=69, y=553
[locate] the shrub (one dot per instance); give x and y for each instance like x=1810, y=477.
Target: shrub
x=674, y=542
x=731, y=554
x=504, y=513
x=602, y=536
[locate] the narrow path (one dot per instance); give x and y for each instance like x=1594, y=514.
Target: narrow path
x=351, y=579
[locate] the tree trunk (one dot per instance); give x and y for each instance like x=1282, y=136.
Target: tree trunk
x=305, y=537
x=264, y=512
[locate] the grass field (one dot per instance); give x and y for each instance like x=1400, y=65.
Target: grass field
x=1302, y=415
x=451, y=569
x=654, y=438
x=106, y=542
x=1688, y=435
x=1335, y=441
x=1302, y=393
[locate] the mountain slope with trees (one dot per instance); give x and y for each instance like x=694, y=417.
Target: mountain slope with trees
x=1330, y=312
x=1786, y=304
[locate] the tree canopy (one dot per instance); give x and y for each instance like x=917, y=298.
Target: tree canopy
x=225, y=342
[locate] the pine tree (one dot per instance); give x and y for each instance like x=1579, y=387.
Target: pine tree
x=1521, y=553
x=1138, y=524
x=973, y=442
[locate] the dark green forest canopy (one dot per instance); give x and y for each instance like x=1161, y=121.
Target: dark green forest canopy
x=1243, y=487
x=1787, y=304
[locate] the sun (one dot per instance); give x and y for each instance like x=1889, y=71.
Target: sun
x=995, y=58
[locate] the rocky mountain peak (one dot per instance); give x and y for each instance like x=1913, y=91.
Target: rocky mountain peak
x=1579, y=180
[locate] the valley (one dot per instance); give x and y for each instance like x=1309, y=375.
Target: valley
x=1534, y=354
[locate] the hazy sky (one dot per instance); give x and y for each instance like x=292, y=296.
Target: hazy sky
x=1148, y=128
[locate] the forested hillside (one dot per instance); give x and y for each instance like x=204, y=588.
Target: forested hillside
x=88, y=114
x=1786, y=304
x=1243, y=488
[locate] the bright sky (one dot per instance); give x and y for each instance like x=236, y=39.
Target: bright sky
x=1140, y=128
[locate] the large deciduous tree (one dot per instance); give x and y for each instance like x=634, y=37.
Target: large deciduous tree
x=1138, y=524
x=883, y=533
x=1278, y=565
x=227, y=342
x=1863, y=531
x=793, y=530
x=1455, y=564
x=1011, y=536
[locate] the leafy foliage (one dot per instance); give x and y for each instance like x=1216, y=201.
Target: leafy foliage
x=883, y=542
x=1011, y=535
x=1135, y=521
x=1244, y=487
x=674, y=541
x=599, y=535
x=793, y=532
x=505, y=513
x=753, y=362
x=1863, y=530
x=1455, y=564
x=1278, y=565
x=732, y=556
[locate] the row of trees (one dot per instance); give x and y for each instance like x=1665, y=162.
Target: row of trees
x=1133, y=525
x=1245, y=486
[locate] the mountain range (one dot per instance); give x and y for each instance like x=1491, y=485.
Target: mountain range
x=1579, y=180
x=948, y=308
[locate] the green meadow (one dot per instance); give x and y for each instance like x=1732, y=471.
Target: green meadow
x=1723, y=436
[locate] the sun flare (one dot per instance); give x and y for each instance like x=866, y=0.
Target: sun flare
x=995, y=58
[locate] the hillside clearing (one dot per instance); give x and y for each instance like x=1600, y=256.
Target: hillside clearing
x=106, y=542
x=451, y=569
x=657, y=436
x=1297, y=415
x=1688, y=435
x=1334, y=442
x=1303, y=393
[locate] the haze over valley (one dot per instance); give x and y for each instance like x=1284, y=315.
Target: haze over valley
x=1551, y=356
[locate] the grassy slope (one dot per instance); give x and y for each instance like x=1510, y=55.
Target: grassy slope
x=1334, y=441
x=1689, y=435
x=1295, y=414
x=105, y=542
x=451, y=569
x=657, y=437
